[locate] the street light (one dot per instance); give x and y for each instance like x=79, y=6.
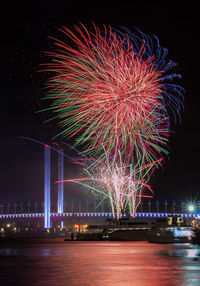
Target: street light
x=191, y=208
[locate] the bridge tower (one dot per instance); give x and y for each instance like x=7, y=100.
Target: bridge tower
x=47, y=186
x=60, y=185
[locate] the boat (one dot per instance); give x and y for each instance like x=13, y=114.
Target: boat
x=124, y=229
x=172, y=229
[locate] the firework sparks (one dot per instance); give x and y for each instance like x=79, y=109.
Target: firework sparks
x=122, y=185
x=111, y=90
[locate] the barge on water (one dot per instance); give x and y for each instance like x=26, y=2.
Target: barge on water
x=172, y=229
x=124, y=229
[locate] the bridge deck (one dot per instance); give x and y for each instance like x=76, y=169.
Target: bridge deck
x=37, y=215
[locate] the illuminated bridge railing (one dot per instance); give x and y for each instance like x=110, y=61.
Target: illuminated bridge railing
x=93, y=206
x=97, y=214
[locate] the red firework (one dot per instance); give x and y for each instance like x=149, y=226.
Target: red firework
x=109, y=95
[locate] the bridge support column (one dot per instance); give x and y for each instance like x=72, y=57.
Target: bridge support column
x=60, y=185
x=47, y=187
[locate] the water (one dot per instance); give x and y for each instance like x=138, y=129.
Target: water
x=55, y=262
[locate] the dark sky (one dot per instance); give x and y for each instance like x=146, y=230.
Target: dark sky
x=24, y=37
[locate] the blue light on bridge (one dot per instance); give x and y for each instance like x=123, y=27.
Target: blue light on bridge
x=144, y=215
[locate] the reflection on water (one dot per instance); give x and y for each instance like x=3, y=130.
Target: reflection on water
x=55, y=262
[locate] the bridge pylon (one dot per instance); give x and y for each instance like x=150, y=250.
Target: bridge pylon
x=60, y=185
x=47, y=186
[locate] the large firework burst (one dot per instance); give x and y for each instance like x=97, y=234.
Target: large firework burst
x=111, y=89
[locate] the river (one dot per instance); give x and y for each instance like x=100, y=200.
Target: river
x=75, y=263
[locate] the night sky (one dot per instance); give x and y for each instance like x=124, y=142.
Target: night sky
x=24, y=39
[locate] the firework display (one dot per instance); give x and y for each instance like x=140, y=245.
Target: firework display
x=112, y=92
x=122, y=185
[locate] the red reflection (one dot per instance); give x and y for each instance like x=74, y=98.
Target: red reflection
x=121, y=264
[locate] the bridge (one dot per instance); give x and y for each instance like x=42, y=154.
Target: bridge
x=47, y=214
